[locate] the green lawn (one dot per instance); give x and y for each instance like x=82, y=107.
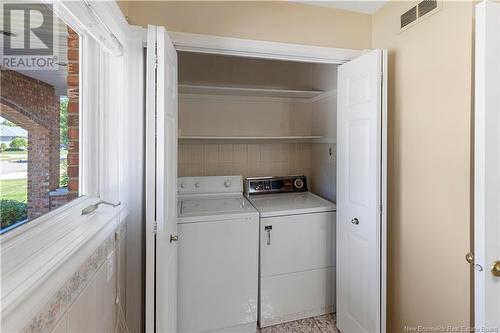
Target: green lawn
x=14, y=189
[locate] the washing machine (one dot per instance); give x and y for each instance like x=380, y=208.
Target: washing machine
x=218, y=233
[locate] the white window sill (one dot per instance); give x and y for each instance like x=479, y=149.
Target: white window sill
x=39, y=257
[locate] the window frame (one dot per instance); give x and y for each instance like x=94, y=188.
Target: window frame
x=46, y=250
x=88, y=115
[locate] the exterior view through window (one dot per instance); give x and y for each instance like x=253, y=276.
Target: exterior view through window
x=39, y=113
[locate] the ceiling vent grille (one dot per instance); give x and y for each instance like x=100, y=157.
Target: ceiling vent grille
x=426, y=6
x=409, y=17
x=415, y=14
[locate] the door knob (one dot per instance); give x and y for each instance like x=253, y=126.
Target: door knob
x=174, y=238
x=355, y=221
x=469, y=257
x=495, y=268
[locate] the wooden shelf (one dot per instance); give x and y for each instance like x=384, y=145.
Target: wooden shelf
x=243, y=91
x=292, y=138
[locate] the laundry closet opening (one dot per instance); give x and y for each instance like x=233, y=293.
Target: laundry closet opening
x=264, y=232
x=257, y=117
x=269, y=127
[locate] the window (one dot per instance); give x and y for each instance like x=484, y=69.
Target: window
x=39, y=113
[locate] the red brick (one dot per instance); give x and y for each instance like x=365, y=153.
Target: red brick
x=73, y=41
x=73, y=185
x=73, y=55
x=73, y=94
x=72, y=159
x=73, y=133
x=73, y=146
x=72, y=80
x=73, y=120
x=73, y=107
x=73, y=171
x=40, y=117
x=73, y=68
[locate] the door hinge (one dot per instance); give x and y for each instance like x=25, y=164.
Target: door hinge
x=156, y=61
x=155, y=227
x=381, y=209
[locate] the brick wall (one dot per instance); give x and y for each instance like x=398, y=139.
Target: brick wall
x=33, y=105
x=73, y=109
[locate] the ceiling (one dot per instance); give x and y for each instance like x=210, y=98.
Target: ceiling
x=367, y=7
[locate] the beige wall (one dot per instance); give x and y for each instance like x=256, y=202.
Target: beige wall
x=429, y=134
x=272, y=21
x=429, y=164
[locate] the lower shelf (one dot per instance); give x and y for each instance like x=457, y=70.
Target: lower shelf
x=308, y=138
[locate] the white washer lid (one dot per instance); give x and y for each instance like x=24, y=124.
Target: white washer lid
x=282, y=204
x=213, y=207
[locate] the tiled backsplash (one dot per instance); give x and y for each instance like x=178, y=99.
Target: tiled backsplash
x=246, y=159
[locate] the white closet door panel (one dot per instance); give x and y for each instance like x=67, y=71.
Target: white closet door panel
x=360, y=194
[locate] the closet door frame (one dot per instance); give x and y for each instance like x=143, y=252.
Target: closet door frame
x=200, y=43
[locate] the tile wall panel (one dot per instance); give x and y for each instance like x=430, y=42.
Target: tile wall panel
x=246, y=159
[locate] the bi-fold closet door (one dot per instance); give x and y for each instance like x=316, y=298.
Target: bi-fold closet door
x=361, y=179
x=161, y=182
x=361, y=193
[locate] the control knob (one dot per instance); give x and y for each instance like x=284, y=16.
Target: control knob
x=298, y=183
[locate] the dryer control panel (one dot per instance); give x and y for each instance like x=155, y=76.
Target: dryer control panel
x=269, y=185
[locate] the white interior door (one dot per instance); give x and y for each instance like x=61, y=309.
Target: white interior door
x=361, y=179
x=487, y=167
x=161, y=186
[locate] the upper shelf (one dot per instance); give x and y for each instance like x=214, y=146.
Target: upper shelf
x=243, y=91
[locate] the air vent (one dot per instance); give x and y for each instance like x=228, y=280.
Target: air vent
x=418, y=13
x=409, y=17
x=426, y=6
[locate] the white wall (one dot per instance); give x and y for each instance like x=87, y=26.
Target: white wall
x=324, y=123
x=323, y=170
x=94, y=309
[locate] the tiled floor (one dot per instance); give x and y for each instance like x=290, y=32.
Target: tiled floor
x=321, y=324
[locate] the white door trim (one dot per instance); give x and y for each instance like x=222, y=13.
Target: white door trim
x=383, y=196
x=230, y=46
x=150, y=182
x=486, y=166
